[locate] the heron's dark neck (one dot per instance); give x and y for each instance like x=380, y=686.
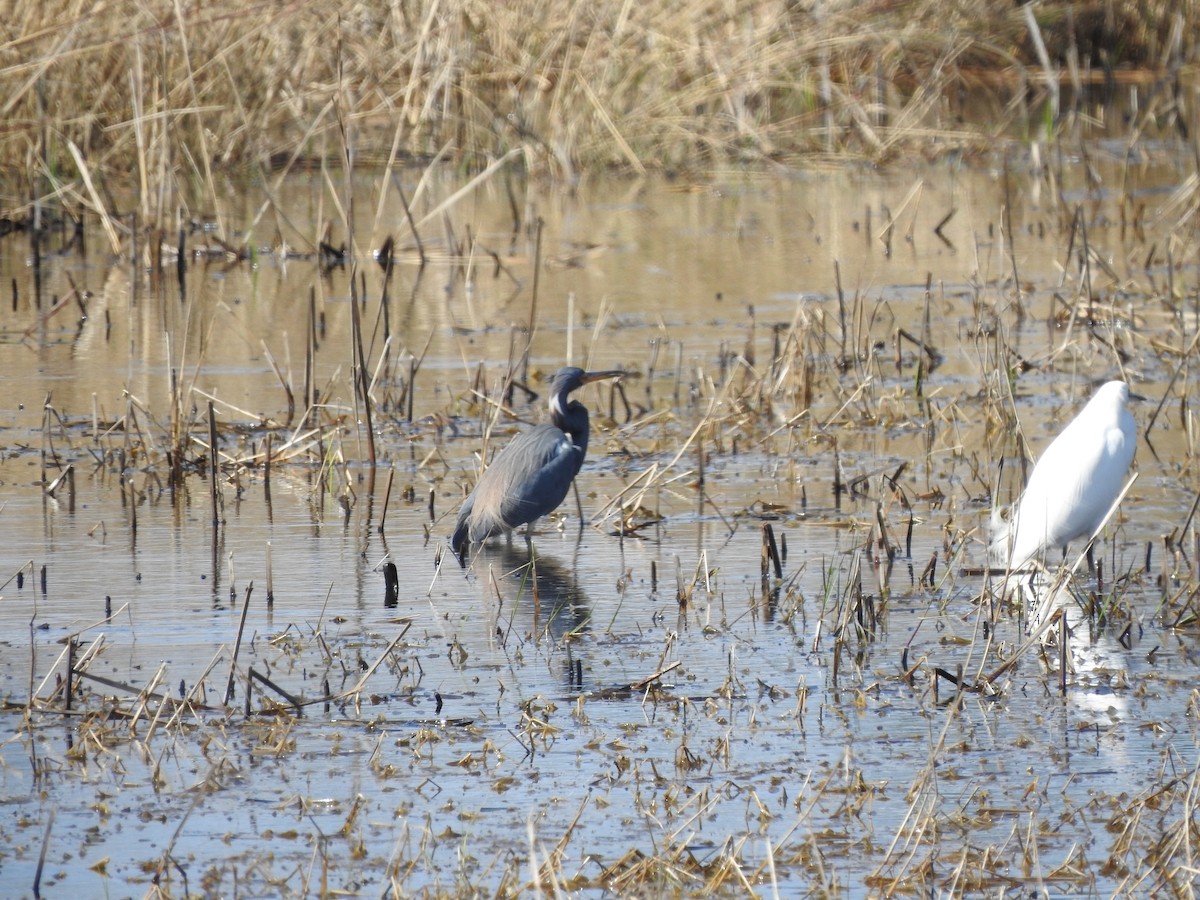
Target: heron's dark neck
x=574, y=421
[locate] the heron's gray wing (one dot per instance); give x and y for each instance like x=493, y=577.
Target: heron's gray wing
x=528, y=479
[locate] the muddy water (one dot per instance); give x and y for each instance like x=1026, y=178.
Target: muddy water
x=508, y=733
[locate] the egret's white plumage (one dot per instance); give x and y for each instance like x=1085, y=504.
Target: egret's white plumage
x=1075, y=480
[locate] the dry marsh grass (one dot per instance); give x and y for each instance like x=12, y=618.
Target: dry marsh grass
x=173, y=93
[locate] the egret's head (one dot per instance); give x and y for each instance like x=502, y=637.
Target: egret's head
x=1115, y=392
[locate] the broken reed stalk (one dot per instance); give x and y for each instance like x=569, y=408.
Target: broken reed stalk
x=412, y=225
x=97, y=204
x=1086, y=263
x=310, y=353
x=366, y=676
x=359, y=368
x=232, y=580
x=554, y=858
x=212, y=465
x=770, y=552
x=411, y=387
x=71, y=644
x=1010, y=238
x=293, y=701
x=81, y=663
x=181, y=264
x=1063, y=657
x=537, y=280
x=925, y=349
x=285, y=383
x=237, y=645
x=41, y=864
x=387, y=496
x=391, y=585
x=67, y=475
x=1184, y=360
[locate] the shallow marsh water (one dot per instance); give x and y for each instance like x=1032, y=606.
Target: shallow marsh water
x=510, y=733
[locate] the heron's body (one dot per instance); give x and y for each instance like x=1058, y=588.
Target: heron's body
x=532, y=475
x=1076, y=480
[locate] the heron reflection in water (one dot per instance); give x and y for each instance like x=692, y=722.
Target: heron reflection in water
x=540, y=599
x=531, y=476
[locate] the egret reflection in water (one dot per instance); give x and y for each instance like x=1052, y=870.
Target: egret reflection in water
x=1090, y=656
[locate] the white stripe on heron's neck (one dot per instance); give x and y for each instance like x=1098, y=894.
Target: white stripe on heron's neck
x=556, y=406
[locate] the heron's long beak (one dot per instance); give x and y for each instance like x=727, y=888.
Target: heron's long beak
x=589, y=377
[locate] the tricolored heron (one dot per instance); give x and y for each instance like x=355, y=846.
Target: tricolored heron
x=532, y=475
x=1076, y=480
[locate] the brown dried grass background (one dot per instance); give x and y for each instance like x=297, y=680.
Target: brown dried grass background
x=181, y=89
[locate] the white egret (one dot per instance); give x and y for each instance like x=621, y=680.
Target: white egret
x=1076, y=480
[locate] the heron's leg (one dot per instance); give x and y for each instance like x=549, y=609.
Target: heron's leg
x=537, y=601
x=578, y=502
